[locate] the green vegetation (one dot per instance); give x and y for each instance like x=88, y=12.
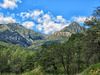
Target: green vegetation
x=92, y=70
x=15, y=59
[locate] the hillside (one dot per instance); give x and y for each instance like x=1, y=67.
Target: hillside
x=14, y=58
x=92, y=70
x=11, y=46
x=15, y=33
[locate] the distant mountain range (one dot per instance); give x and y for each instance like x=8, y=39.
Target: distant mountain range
x=15, y=33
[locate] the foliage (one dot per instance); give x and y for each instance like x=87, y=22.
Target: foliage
x=94, y=69
x=15, y=59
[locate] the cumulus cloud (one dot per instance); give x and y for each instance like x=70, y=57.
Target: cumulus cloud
x=6, y=20
x=45, y=22
x=51, y=24
x=80, y=19
x=9, y=4
x=28, y=24
x=50, y=27
x=31, y=14
x=11, y=14
x=60, y=19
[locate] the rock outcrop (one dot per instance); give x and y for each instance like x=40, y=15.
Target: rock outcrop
x=68, y=34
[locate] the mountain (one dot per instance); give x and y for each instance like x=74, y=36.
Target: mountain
x=60, y=36
x=15, y=33
x=73, y=28
x=66, y=32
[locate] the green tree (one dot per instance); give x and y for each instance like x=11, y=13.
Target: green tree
x=92, y=40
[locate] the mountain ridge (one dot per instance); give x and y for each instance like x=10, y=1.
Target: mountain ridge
x=15, y=33
x=61, y=36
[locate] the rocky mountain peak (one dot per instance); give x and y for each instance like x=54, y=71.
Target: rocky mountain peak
x=74, y=22
x=73, y=28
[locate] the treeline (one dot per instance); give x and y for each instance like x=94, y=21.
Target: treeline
x=76, y=54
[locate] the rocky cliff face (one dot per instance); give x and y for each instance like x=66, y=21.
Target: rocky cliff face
x=68, y=34
x=13, y=38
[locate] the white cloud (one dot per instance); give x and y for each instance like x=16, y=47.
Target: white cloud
x=9, y=4
x=80, y=19
x=29, y=24
x=60, y=19
x=49, y=24
x=50, y=27
x=39, y=27
x=46, y=22
x=37, y=13
x=6, y=20
x=31, y=14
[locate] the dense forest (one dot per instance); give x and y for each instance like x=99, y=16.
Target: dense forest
x=78, y=53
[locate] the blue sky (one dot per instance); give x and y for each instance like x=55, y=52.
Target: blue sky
x=46, y=16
